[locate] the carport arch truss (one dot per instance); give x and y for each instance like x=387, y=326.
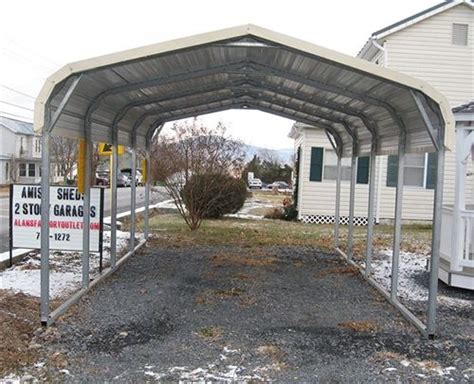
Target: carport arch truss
x=124, y=98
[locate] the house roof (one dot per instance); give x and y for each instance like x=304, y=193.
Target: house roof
x=409, y=21
x=17, y=126
x=464, y=108
x=129, y=94
x=464, y=113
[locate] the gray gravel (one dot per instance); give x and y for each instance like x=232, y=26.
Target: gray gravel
x=181, y=314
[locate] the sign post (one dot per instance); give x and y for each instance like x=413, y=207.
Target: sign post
x=11, y=228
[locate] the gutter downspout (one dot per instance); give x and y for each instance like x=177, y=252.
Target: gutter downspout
x=382, y=48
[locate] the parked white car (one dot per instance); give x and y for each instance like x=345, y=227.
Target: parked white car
x=255, y=183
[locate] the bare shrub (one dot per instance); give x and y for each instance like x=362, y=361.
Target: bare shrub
x=195, y=156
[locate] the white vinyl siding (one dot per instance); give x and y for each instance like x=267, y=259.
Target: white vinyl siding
x=426, y=50
x=317, y=198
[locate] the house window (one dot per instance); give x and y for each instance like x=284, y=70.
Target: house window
x=37, y=145
x=22, y=169
x=420, y=170
x=31, y=170
x=7, y=171
x=330, y=167
x=22, y=145
x=460, y=33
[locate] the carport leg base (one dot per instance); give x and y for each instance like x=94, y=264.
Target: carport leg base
x=96, y=280
x=406, y=313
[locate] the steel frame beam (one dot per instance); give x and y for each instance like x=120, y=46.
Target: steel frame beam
x=371, y=209
x=397, y=236
x=426, y=120
x=45, y=198
x=64, y=102
x=332, y=89
x=337, y=213
x=350, y=231
x=87, y=206
x=113, y=173
x=133, y=194
x=255, y=86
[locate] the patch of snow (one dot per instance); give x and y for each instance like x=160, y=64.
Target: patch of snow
x=65, y=269
x=410, y=265
x=28, y=281
x=11, y=379
x=210, y=373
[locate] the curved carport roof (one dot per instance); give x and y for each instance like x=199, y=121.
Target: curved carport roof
x=245, y=67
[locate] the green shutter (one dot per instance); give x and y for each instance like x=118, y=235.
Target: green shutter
x=431, y=171
x=392, y=171
x=363, y=170
x=316, y=166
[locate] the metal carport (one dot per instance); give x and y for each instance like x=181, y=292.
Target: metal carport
x=126, y=97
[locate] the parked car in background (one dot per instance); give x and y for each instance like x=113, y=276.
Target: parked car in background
x=123, y=180
x=102, y=179
x=255, y=183
x=279, y=185
x=139, y=176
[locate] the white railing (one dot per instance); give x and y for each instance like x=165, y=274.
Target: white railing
x=464, y=257
x=467, y=237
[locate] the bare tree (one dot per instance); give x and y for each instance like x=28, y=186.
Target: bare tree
x=190, y=161
x=64, y=153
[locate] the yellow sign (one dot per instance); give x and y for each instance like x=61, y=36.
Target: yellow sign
x=81, y=161
x=105, y=149
x=144, y=170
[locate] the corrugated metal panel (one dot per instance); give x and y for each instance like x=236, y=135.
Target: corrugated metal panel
x=243, y=67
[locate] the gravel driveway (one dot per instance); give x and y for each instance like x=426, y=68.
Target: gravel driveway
x=223, y=314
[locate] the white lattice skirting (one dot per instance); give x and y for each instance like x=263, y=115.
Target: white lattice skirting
x=329, y=219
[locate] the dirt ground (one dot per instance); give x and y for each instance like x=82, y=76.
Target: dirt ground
x=239, y=301
x=216, y=313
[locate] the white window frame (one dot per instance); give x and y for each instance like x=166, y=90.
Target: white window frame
x=29, y=168
x=324, y=179
x=425, y=175
x=26, y=169
x=467, y=34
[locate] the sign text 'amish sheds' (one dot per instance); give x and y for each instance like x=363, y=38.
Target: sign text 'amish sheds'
x=66, y=212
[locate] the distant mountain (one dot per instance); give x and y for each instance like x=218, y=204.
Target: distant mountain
x=284, y=155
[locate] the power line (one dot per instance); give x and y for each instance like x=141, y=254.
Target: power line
x=16, y=105
x=17, y=91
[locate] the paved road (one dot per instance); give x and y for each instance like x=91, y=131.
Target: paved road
x=123, y=203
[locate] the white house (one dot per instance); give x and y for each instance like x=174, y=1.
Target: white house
x=20, y=152
x=435, y=45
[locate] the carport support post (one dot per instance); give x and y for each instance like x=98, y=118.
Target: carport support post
x=397, y=236
x=45, y=219
x=435, y=245
x=147, y=189
x=337, y=214
x=133, y=194
x=113, y=201
x=87, y=206
x=350, y=235
x=371, y=210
